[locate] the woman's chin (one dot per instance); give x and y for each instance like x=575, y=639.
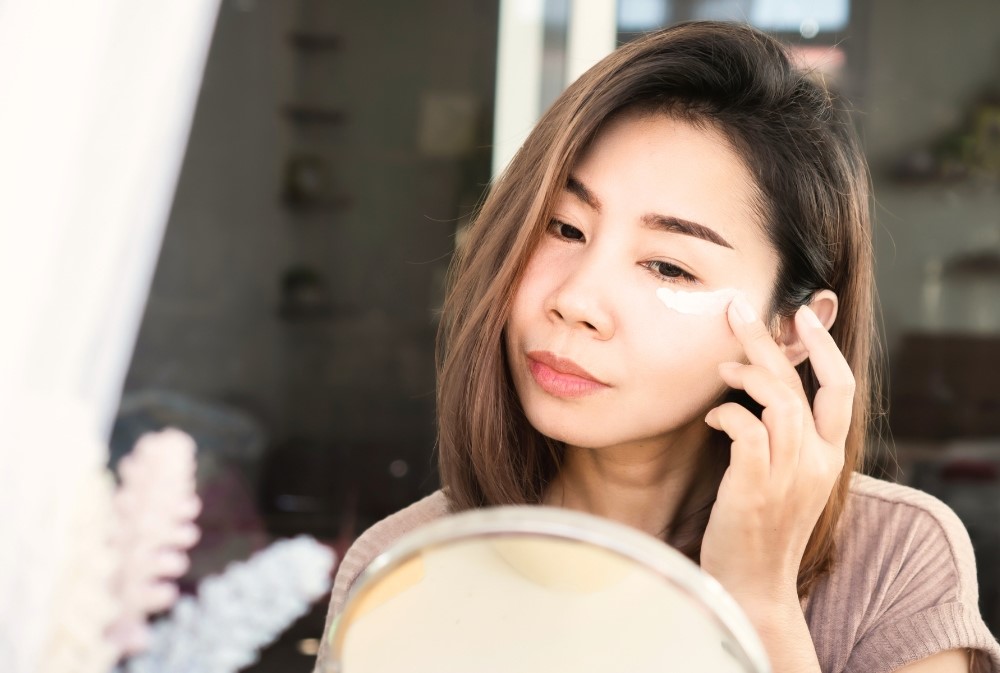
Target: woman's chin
x=581, y=432
x=610, y=431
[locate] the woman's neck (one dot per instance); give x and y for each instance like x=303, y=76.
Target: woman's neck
x=641, y=485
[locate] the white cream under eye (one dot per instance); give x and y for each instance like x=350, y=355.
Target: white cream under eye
x=696, y=303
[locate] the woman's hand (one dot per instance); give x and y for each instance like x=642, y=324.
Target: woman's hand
x=782, y=470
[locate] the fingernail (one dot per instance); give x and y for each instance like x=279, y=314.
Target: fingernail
x=729, y=366
x=810, y=317
x=743, y=308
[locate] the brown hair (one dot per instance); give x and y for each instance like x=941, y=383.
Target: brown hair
x=799, y=144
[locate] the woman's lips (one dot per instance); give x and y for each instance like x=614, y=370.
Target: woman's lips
x=561, y=377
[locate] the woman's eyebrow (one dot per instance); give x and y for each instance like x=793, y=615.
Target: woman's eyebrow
x=676, y=225
x=580, y=191
x=668, y=223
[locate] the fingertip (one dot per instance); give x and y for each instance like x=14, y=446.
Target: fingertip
x=808, y=318
x=711, y=418
x=745, y=322
x=727, y=370
x=741, y=310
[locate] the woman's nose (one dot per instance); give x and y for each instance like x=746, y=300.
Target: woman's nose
x=583, y=300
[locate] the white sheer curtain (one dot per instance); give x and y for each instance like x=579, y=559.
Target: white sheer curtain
x=96, y=100
x=590, y=36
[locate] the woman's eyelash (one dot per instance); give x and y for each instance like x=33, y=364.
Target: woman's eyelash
x=564, y=230
x=668, y=270
x=660, y=269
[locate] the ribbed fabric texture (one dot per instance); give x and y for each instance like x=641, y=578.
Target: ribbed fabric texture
x=373, y=542
x=903, y=585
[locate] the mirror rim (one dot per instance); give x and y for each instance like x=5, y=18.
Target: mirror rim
x=553, y=522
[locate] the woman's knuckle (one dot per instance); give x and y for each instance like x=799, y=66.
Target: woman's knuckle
x=847, y=380
x=757, y=434
x=848, y=390
x=786, y=410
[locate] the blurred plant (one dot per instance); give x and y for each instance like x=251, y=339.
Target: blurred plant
x=969, y=151
x=238, y=612
x=155, y=508
x=117, y=556
x=121, y=551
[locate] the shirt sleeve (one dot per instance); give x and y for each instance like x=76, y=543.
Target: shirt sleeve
x=366, y=549
x=924, y=592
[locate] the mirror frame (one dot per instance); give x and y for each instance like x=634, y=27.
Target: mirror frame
x=553, y=522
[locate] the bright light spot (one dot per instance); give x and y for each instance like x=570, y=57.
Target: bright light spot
x=398, y=468
x=309, y=646
x=786, y=16
x=809, y=28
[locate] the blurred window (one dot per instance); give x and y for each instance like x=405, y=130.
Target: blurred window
x=808, y=19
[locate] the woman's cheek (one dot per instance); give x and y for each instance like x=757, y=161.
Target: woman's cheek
x=697, y=322
x=691, y=345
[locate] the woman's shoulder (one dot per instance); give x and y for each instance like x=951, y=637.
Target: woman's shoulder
x=910, y=533
x=373, y=542
x=904, y=575
x=892, y=520
x=878, y=494
x=890, y=535
x=380, y=537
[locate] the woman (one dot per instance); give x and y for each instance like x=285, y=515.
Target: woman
x=663, y=314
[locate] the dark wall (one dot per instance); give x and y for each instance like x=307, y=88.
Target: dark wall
x=345, y=392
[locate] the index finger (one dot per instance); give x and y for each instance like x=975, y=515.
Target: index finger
x=760, y=347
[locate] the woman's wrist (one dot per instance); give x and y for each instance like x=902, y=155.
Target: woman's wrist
x=759, y=595
x=783, y=630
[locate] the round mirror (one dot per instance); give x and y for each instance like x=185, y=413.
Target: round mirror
x=538, y=589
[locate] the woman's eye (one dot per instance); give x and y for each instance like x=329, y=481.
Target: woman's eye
x=566, y=230
x=668, y=270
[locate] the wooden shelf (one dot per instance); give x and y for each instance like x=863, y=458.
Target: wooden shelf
x=314, y=114
x=315, y=41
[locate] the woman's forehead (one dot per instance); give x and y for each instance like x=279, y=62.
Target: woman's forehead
x=674, y=167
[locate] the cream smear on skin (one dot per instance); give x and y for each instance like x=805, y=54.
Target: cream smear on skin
x=697, y=303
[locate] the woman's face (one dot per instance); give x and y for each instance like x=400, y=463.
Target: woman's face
x=597, y=359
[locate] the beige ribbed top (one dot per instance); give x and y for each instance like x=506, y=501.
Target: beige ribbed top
x=903, y=585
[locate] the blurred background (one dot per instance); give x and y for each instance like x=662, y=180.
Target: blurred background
x=339, y=146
